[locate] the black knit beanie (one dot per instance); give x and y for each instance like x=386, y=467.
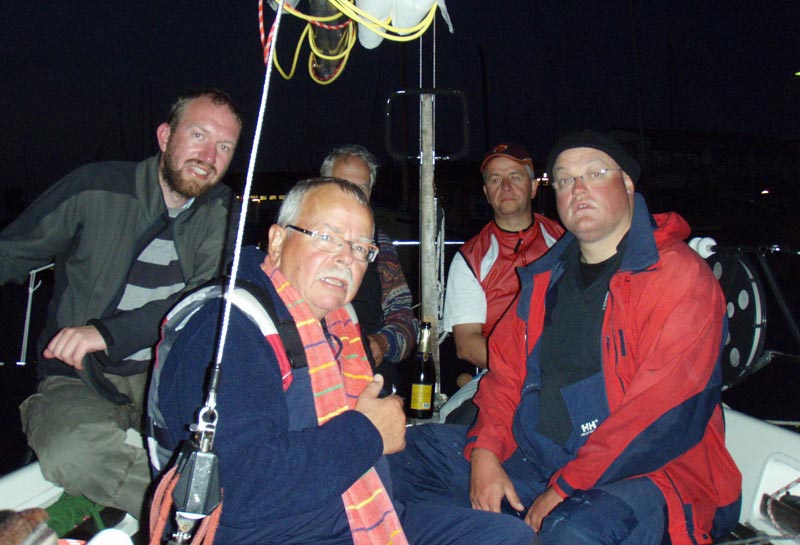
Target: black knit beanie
x=598, y=141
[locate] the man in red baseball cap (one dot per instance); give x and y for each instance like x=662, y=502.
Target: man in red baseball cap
x=482, y=281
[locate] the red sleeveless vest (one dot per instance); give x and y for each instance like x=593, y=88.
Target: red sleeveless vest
x=516, y=249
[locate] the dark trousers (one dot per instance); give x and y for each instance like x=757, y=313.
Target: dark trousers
x=432, y=469
x=441, y=525
x=422, y=524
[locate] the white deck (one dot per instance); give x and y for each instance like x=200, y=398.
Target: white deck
x=768, y=457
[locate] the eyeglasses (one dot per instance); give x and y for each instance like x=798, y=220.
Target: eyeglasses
x=591, y=177
x=366, y=253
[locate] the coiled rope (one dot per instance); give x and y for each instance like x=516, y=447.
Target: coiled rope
x=341, y=53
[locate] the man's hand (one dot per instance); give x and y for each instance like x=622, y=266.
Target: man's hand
x=489, y=483
x=546, y=502
x=386, y=414
x=71, y=344
x=378, y=345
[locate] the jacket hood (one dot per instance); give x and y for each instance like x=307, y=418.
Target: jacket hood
x=671, y=226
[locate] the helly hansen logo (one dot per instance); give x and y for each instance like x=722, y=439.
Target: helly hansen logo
x=588, y=427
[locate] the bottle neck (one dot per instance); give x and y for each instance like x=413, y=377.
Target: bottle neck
x=424, y=345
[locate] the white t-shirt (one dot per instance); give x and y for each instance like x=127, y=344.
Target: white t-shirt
x=465, y=300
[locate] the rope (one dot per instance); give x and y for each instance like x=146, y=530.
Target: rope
x=159, y=509
x=270, y=46
x=354, y=14
x=162, y=506
x=384, y=28
x=346, y=45
x=771, y=499
x=208, y=528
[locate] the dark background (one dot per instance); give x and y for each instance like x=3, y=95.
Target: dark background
x=82, y=81
x=88, y=81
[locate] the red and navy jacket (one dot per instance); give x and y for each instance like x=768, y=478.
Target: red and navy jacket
x=654, y=410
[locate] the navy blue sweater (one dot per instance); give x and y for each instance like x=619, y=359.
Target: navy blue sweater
x=282, y=475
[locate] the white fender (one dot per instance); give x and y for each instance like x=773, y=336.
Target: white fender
x=703, y=246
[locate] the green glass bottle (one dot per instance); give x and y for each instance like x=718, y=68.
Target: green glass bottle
x=423, y=376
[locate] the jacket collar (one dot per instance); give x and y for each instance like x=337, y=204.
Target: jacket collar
x=640, y=252
x=148, y=189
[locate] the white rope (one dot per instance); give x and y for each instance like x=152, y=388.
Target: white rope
x=211, y=402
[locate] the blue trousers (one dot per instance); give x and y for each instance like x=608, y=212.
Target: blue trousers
x=432, y=470
x=440, y=525
x=422, y=524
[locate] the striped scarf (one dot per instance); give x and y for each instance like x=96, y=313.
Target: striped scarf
x=336, y=383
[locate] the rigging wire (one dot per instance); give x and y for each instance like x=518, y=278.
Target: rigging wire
x=441, y=280
x=209, y=410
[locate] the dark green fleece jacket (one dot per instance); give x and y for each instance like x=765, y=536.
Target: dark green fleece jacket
x=94, y=223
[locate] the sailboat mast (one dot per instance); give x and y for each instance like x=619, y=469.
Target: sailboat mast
x=429, y=297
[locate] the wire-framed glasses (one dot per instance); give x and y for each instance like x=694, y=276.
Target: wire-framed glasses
x=592, y=177
x=327, y=242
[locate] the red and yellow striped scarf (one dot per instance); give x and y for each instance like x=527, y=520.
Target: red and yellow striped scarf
x=337, y=383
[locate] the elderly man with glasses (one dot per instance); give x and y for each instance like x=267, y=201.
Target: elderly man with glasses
x=301, y=446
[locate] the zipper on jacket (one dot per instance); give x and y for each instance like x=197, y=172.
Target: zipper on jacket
x=615, y=345
x=688, y=518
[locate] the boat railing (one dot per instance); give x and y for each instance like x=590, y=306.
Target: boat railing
x=33, y=285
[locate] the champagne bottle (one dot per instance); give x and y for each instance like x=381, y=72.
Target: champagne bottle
x=423, y=377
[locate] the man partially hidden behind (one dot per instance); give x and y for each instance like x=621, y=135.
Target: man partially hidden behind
x=301, y=448
x=383, y=302
x=128, y=240
x=600, y=418
x=482, y=280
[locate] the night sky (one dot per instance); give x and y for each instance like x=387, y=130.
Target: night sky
x=89, y=80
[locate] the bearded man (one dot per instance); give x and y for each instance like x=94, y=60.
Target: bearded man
x=128, y=240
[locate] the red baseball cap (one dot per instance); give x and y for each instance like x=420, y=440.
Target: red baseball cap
x=510, y=150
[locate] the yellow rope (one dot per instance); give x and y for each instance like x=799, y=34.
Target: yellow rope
x=348, y=40
x=294, y=61
x=342, y=49
x=300, y=15
x=363, y=18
